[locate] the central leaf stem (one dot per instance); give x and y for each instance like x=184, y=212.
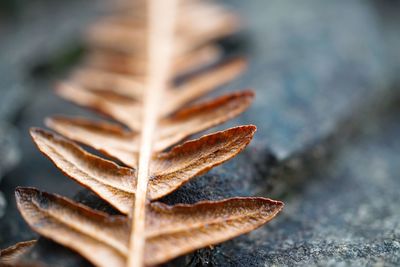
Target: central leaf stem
x=161, y=25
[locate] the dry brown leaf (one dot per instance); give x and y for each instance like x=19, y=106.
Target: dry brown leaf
x=172, y=169
x=170, y=230
x=111, y=182
x=11, y=255
x=108, y=138
x=137, y=8
x=93, y=234
x=203, y=83
x=123, y=145
x=168, y=171
x=133, y=13
x=129, y=111
x=112, y=61
x=111, y=34
x=126, y=111
x=200, y=117
x=154, y=111
x=109, y=82
x=179, y=229
x=132, y=87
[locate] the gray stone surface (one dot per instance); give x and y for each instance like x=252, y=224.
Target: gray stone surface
x=341, y=206
x=41, y=30
x=9, y=155
x=327, y=110
x=310, y=64
x=389, y=21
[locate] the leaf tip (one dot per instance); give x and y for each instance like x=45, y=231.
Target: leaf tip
x=53, y=122
x=239, y=62
x=249, y=93
x=251, y=128
x=34, y=131
x=246, y=95
x=246, y=131
x=23, y=194
x=49, y=121
x=37, y=133
x=60, y=87
x=278, y=205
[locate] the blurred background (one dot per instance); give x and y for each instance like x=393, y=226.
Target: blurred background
x=326, y=76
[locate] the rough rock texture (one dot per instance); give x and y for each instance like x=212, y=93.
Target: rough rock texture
x=38, y=31
x=309, y=67
x=327, y=110
x=343, y=211
x=9, y=155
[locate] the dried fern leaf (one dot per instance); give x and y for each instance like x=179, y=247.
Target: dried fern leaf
x=130, y=87
x=123, y=145
x=95, y=235
x=108, y=138
x=138, y=8
x=134, y=13
x=125, y=111
x=114, y=35
x=129, y=111
x=168, y=170
x=109, y=82
x=179, y=229
x=127, y=76
x=11, y=255
x=203, y=83
x=120, y=63
x=111, y=182
x=200, y=117
x=172, y=169
x=170, y=230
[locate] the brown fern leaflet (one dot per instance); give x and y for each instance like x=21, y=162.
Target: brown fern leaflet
x=128, y=76
x=10, y=256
